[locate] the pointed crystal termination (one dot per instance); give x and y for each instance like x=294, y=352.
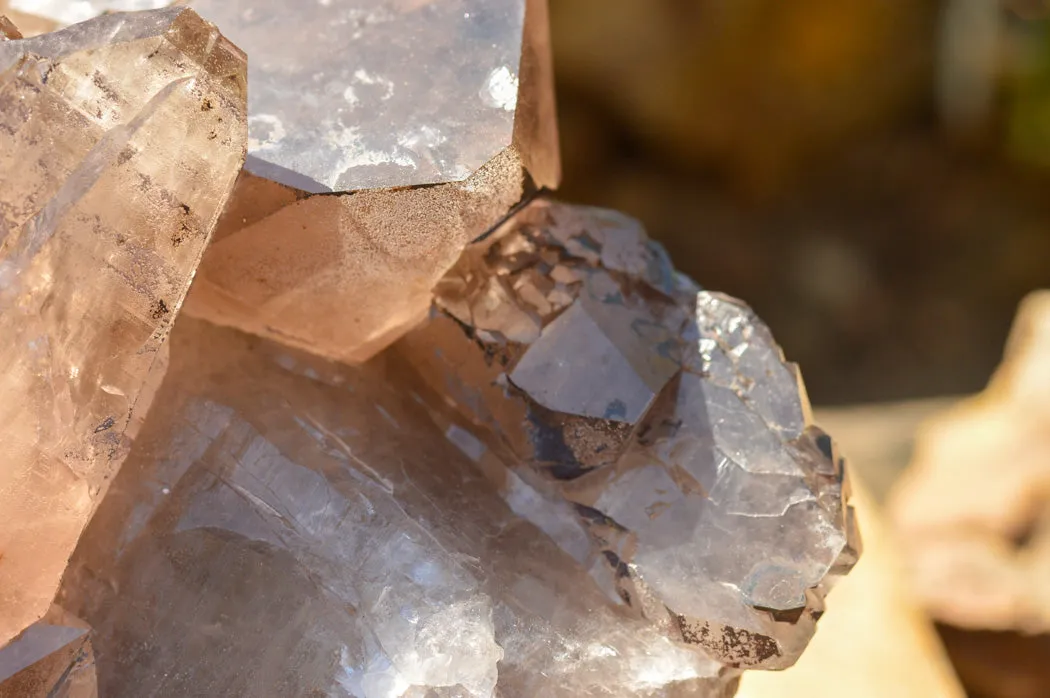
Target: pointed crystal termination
x=27, y=24
x=288, y=526
x=373, y=99
x=8, y=30
x=51, y=658
x=120, y=141
x=65, y=12
x=664, y=415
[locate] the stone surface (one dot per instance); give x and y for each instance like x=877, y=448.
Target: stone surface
x=659, y=418
x=120, y=139
x=972, y=509
x=286, y=526
x=343, y=276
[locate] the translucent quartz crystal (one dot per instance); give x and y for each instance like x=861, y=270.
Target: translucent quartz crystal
x=72, y=11
x=289, y=527
x=368, y=94
x=53, y=658
x=8, y=30
x=373, y=98
x=660, y=418
x=343, y=276
x=120, y=140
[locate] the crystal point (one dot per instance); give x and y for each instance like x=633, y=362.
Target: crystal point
x=120, y=139
x=51, y=658
x=431, y=120
x=665, y=416
x=8, y=30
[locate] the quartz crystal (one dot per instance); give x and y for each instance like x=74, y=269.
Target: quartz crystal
x=120, y=140
x=660, y=418
x=72, y=11
x=422, y=432
x=369, y=94
x=8, y=30
x=374, y=99
x=284, y=526
x=53, y=658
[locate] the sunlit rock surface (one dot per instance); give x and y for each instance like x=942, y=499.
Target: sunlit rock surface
x=973, y=508
x=660, y=418
x=120, y=140
x=288, y=527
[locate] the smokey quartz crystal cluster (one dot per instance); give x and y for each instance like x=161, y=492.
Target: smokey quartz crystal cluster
x=418, y=430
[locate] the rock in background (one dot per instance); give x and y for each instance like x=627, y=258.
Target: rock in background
x=973, y=514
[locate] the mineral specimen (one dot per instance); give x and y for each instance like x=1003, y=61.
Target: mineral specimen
x=660, y=418
x=289, y=527
x=376, y=98
x=580, y=475
x=120, y=140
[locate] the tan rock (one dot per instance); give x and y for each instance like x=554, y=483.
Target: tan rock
x=972, y=512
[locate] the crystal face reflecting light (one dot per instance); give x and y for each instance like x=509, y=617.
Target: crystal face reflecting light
x=396, y=93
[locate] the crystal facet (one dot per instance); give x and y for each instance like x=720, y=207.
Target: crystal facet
x=287, y=526
x=120, y=140
x=664, y=415
x=453, y=94
x=72, y=11
x=371, y=94
x=53, y=657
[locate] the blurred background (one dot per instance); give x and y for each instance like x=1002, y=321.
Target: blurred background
x=873, y=176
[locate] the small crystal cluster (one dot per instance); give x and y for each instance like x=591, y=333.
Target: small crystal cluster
x=421, y=432
x=669, y=442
